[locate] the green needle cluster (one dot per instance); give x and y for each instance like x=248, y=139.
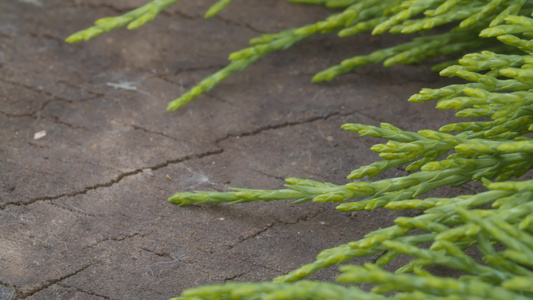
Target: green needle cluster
x=216, y=8
x=133, y=19
x=271, y=290
x=356, y=16
x=498, y=223
x=450, y=226
x=493, y=146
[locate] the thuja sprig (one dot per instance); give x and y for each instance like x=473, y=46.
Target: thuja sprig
x=440, y=215
x=266, y=44
x=216, y=8
x=498, y=149
x=417, y=50
x=357, y=16
x=425, y=284
x=272, y=290
x=451, y=225
x=133, y=19
x=420, y=150
x=455, y=171
x=498, y=222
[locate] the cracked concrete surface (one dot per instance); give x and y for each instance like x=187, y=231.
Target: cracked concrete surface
x=83, y=210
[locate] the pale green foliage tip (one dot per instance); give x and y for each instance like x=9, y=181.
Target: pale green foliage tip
x=216, y=8
x=134, y=19
x=492, y=149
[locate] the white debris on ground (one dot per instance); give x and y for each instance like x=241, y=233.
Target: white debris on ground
x=197, y=178
x=39, y=135
x=126, y=85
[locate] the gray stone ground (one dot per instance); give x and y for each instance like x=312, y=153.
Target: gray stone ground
x=83, y=210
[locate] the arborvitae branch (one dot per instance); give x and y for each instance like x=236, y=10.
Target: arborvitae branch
x=358, y=16
x=498, y=149
x=498, y=222
x=270, y=290
x=134, y=19
x=216, y=8
x=424, y=283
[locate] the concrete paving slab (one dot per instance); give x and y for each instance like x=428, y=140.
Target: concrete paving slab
x=83, y=210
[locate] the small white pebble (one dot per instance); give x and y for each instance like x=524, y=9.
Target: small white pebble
x=221, y=219
x=39, y=135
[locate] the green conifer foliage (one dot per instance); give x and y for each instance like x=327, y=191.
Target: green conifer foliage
x=493, y=149
x=379, y=16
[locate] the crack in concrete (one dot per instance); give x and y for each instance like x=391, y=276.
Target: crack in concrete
x=188, y=69
x=268, y=175
x=114, y=239
x=50, y=282
x=261, y=231
x=25, y=115
x=303, y=218
x=263, y=266
x=253, y=235
x=278, y=126
x=112, y=181
x=237, y=24
x=74, y=210
x=71, y=126
x=169, y=162
x=228, y=278
x=136, y=127
x=160, y=254
x=47, y=36
x=218, y=98
x=40, y=147
x=86, y=292
x=111, y=7
x=81, y=88
x=218, y=17
x=362, y=113
x=180, y=14
x=270, y=225
x=33, y=114
x=36, y=90
x=53, y=97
